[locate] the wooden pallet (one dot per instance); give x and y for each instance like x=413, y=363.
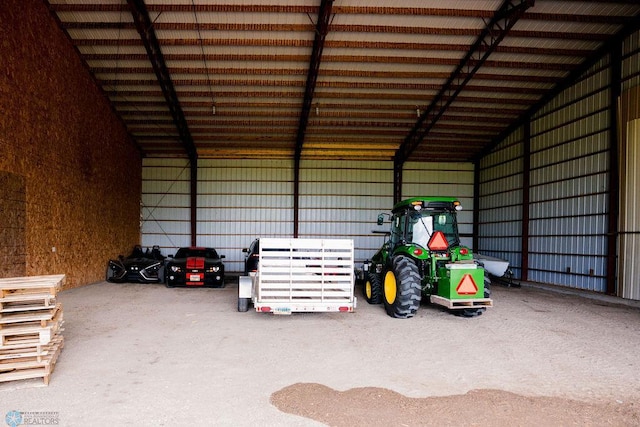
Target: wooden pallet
x=28, y=366
x=36, y=331
x=12, y=303
x=30, y=315
x=32, y=350
x=30, y=285
x=461, y=303
x=30, y=327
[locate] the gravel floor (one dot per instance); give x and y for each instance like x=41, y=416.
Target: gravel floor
x=148, y=355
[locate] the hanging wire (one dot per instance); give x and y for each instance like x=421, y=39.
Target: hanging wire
x=204, y=59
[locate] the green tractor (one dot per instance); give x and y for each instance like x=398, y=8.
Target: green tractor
x=422, y=256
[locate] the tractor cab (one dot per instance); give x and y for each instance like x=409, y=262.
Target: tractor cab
x=421, y=225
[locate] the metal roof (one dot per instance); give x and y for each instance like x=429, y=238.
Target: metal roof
x=420, y=80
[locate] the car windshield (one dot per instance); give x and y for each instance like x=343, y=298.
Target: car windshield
x=422, y=224
x=196, y=252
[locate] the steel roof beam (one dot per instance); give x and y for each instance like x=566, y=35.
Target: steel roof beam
x=503, y=20
x=322, y=27
x=144, y=25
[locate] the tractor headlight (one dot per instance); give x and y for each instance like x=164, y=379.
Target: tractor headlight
x=175, y=268
x=213, y=269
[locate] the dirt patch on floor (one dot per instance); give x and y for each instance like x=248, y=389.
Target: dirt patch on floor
x=381, y=407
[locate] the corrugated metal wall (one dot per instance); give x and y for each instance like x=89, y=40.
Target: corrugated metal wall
x=631, y=62
x=443, y=179
x=164, y=210
x=569, y=184
x=239, y=200
x=629, y=155
x=630, y=215
x=500, y=199
x=343, y=199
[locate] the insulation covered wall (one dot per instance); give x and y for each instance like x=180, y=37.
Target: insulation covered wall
x=80, y=172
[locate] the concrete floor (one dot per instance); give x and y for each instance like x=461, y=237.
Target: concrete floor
x=148, y=355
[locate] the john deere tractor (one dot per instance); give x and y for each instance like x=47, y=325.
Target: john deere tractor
x=422, y=257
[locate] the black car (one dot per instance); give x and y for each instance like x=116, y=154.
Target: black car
x=141, y=266
x=195, y=266
x=252, y=257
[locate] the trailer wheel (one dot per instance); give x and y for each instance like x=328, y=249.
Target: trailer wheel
x=372, y=289
x=243, y=304
x=401, y=290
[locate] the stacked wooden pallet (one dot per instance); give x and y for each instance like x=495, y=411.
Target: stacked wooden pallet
x=30, y=327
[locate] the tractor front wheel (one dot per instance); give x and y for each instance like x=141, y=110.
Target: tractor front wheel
x=401, y=290
x=373, y=289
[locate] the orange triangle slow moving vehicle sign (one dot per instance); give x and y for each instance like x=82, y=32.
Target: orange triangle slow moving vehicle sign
x=438, y=242
x=467, y=286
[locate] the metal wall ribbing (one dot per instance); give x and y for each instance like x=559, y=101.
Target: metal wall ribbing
x=629, y=158
x=569, y=185
x=343, y=199
x=165, y=204
x=500, y=199
x=631, y=61
x=240, y=200
x=443, y=179
x=630, y=215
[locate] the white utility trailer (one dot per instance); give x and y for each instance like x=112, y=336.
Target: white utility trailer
x=298, y=275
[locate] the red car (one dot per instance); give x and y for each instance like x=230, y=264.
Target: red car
x=195, y=266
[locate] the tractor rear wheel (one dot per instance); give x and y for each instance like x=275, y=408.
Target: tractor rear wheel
x=401, y=290
x=372, y=288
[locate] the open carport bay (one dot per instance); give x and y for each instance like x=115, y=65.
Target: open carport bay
x=148, y=355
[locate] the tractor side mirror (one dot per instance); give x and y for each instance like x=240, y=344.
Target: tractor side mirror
x=380, y=219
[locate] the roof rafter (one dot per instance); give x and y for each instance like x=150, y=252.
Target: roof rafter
x=144, y=25
x=322, y=27
x=503, y=20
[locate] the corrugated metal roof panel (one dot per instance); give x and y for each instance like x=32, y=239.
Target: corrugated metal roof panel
x=381, y=65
